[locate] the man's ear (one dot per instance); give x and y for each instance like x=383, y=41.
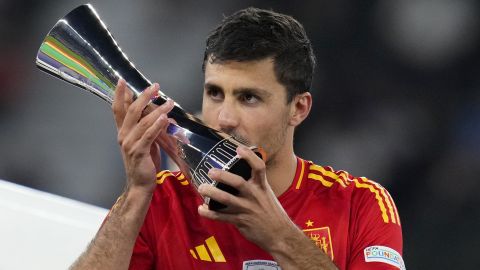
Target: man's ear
x=300, y=108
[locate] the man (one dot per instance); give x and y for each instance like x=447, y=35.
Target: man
x=291, y=214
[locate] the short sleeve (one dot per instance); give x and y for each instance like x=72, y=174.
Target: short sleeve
x=145, y=253
x=142, y=255
x=375, y=232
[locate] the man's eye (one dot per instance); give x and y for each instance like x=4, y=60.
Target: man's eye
x=249, y=99
x=215, y=94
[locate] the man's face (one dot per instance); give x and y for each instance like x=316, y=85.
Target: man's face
x=245, y=99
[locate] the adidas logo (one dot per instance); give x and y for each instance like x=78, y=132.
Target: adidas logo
x=210, y=251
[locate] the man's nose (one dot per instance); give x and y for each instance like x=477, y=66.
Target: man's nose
x=227, y=118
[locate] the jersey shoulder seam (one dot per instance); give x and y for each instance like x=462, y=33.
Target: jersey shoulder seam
x=327, y=176
x=164, y=175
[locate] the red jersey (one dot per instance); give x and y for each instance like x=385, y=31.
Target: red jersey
x=352, y=219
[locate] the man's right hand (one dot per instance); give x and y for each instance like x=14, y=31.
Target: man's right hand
x=137, y=133
x=139, y=130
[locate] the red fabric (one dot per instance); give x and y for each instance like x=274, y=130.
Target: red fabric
x=342, y=214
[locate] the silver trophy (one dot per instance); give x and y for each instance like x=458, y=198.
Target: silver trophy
x=80, y=50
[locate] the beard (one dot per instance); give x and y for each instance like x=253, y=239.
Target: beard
x=274, y=143
x=243, y=139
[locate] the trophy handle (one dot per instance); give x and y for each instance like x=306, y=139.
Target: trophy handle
x=80, y=50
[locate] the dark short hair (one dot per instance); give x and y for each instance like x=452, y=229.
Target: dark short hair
x=255, y=34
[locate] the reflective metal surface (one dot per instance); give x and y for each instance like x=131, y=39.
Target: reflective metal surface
x=80, y=50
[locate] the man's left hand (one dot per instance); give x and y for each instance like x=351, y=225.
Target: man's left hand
x=255, y=211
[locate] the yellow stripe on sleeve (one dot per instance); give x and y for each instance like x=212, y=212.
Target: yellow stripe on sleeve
x=161, y=176
x=160, y=173
x=394, y=207
x=320, y=178
x=328, y=173
x=396, y=212
x=385, y=197
x=377, y=196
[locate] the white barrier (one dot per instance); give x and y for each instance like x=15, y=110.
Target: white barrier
x=39, y=230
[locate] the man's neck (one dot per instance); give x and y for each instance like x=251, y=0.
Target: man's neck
x=281, y=173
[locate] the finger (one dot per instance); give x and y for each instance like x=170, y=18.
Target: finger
x=128, y=99
x=153, y=131
x=228, y=178
x=149, y=120
x=118, y=104
x=214, y=215
x=256, y=163
x=220, y=196
x=135, y=110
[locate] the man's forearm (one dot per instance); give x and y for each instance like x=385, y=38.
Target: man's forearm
x=296, y=252
x=113, y=244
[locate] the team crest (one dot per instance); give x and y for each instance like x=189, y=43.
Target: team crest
x=322, y=239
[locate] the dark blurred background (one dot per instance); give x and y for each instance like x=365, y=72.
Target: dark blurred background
x=396, y=99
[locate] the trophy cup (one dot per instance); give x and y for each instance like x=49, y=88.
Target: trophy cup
x=80, y=50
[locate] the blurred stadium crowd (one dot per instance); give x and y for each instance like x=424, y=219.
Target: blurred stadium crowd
x=396, y=99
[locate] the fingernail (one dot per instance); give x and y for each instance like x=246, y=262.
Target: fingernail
x=212, y=172
x=171, y=104
x=166, y=104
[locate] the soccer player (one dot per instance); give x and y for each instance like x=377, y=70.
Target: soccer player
x=291, y=214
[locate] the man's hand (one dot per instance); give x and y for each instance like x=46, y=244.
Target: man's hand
x=139, y=128
x=137, y=134
x=260, y=218
x=256, y=211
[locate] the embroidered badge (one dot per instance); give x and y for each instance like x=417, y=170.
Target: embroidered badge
x=260, y=265
x=384, y=255
x=321, y=237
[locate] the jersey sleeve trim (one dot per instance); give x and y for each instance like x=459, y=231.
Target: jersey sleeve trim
x=382, y=197
x=163, y=175
x=392, y=208
x=181, y=177
x=327, y=178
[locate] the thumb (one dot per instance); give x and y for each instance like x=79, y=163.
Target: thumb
x=256, y=163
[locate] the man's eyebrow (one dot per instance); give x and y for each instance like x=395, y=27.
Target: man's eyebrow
x=239, y=91
x=252, y=91
x=211, y=86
